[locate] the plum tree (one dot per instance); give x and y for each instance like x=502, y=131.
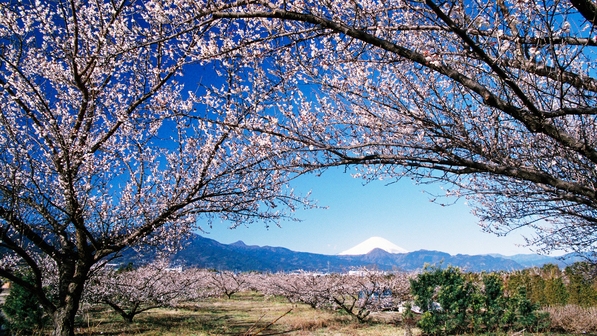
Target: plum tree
x=102, y=148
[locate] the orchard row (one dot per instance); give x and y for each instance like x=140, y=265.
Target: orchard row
x=436, y=300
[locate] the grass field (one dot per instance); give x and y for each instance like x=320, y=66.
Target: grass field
x=244, y=314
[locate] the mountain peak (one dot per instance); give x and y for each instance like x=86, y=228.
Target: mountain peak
x=372, y=244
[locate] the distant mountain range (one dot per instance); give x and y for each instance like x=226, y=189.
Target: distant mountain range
x=203, y=252
x=532, y=260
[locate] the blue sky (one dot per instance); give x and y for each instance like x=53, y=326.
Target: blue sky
x=401, y=213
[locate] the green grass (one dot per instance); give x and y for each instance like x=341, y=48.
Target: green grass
x=244, y=314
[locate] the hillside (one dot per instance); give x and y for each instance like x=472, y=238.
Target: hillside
x=207, y=253
x=203, y=252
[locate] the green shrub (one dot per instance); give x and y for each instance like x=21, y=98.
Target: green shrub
x=455, y=295
x=22, y=309
x=471, y=304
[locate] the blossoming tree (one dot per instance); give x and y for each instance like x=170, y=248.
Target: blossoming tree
x=103, y=148
x=356, y=294
x=496, y=98
x=225, y=283
x=132, y=291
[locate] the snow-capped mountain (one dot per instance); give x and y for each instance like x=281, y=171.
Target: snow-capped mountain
x=374, y=243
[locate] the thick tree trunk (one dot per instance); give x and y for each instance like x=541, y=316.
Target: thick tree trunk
x=64, y=321
x=71, y=291
x=128, y=318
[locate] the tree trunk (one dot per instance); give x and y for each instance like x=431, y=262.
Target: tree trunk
x=128, y=318
x=71, y=291
x=64, y=321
